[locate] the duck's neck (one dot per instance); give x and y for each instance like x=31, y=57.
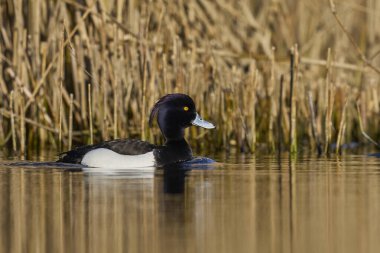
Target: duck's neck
x=173, y=133
x=176, y=143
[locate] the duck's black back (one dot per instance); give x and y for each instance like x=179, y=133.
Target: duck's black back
x=171, y=153
x=121, y=146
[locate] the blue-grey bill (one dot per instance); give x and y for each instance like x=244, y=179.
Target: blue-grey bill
x=198, y=121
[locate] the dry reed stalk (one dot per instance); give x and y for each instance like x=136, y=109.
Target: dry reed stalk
x=165, y=74
x=2, y=135
x=89, y=92
x=342, y=127
x=279, y=116
x=60, y=116
x=115, y=82
x=115, y=114
x=293, y=100
x=330, y=100
x=272, y=102
x=314, y=124
x=254, y=81
x=3, y=92
x=22, y=124
x=285, y=112
x=143, y=108
x=366, y=136
x=61, y=71
x=70, y=121
x=144, y=76
x=13, y=128
x=104, y=113
x=326, y=105
x=3, y=86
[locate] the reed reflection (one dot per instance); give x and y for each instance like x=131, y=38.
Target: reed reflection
x=316, y=205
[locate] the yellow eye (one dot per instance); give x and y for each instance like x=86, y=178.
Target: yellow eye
x=185, y=108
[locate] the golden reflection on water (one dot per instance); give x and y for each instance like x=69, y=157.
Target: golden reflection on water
x=315, y=205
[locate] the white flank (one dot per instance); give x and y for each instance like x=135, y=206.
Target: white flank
x=105, y=158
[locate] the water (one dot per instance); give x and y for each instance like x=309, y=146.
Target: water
x=245, y=204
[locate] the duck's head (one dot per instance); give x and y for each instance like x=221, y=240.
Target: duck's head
x=174, y=113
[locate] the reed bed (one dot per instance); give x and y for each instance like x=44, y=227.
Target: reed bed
x=78, y=72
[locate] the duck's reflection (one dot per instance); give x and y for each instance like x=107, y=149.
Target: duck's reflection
x=175, y=174
x=174, y=179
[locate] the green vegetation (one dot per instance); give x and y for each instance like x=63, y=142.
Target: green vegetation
x=83, y=73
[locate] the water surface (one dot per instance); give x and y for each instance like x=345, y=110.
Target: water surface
x=244, y=204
